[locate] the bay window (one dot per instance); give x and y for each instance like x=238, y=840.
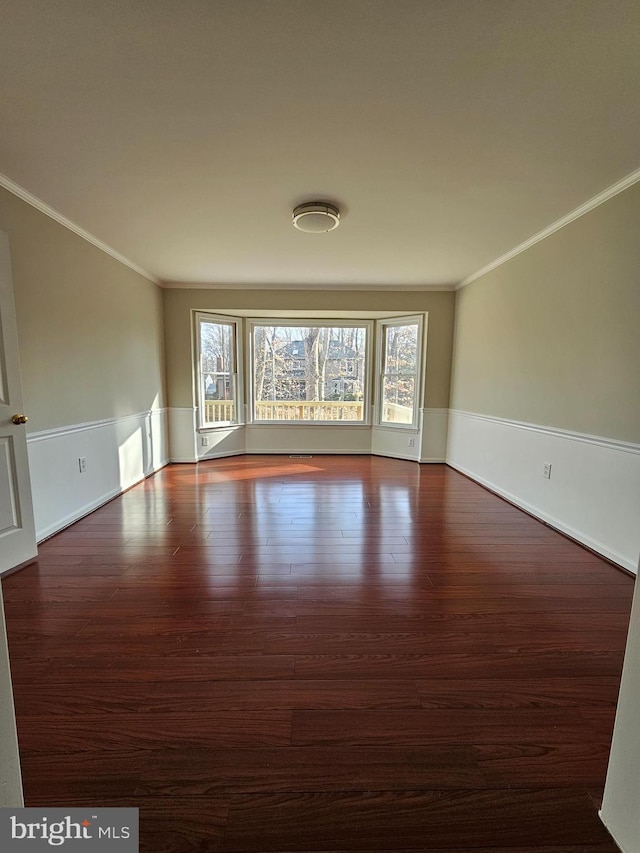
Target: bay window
x=308, y=371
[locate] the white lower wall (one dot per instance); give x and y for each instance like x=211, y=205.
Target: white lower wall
x=221, y=442
x=307, y=438
x=594, y=491
x=428, y=443
x=397, y=443
x=183, y=434
x=435, y=429
x=119, y=452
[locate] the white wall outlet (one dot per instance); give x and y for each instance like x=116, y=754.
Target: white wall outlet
x=546, y=470
x=412, y=442
x=82, y=464
x=204, y=441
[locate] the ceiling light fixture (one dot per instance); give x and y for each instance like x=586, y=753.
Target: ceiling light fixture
x=316, y=217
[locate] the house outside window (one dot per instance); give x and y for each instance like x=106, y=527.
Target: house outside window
x=217, y=371
x=313, y=373
x=400, y=369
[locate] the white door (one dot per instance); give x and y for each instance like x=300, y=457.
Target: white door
x=17, y=531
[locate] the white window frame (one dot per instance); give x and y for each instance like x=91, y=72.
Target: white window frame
x=381, y=326
x=307, y=322
x=236, y=374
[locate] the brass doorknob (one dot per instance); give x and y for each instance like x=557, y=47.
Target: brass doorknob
x=19, y=419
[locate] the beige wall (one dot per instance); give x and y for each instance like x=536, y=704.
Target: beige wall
x=178, y=304
x=90, y=329
x=551, y=337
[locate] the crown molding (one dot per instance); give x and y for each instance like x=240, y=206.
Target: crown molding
x=14, y=188
x=49, y=211
x=265, y=285
x=588, y=206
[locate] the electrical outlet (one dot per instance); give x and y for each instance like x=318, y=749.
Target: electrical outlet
x=204, y=441
x=412, y=442
x=546, y=470
x=82, y=464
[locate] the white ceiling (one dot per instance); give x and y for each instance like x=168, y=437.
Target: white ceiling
x=182, y=132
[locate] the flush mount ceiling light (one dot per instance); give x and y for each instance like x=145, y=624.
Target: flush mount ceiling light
x=316, y=217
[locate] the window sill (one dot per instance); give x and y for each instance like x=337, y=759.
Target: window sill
x=398, y=428
x=215, y=427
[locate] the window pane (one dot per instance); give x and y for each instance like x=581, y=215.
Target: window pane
x=217, y=372
x=398, y=399
x=315, y=373
x=219, y=398
x=401, y=348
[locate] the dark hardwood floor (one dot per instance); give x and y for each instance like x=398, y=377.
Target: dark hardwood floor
x=325, y=654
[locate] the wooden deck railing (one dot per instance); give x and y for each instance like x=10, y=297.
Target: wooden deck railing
x=222, y=411
x=308, y=410
x=394, y=413
x=218, y=411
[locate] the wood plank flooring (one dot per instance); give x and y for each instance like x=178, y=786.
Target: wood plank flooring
x=325, y=654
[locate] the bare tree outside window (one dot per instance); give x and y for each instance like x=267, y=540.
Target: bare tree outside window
x=309, y=373
x=217, y=372
x=399, y=373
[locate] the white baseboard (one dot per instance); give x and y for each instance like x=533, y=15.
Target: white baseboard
x=184, y=460
x=389, y=454
x=553, y=521
x=302, y=453
x=592, y=496
x=221, y=454
x=119, y=453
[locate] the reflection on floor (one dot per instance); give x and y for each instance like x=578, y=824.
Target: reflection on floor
x=324, y=654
